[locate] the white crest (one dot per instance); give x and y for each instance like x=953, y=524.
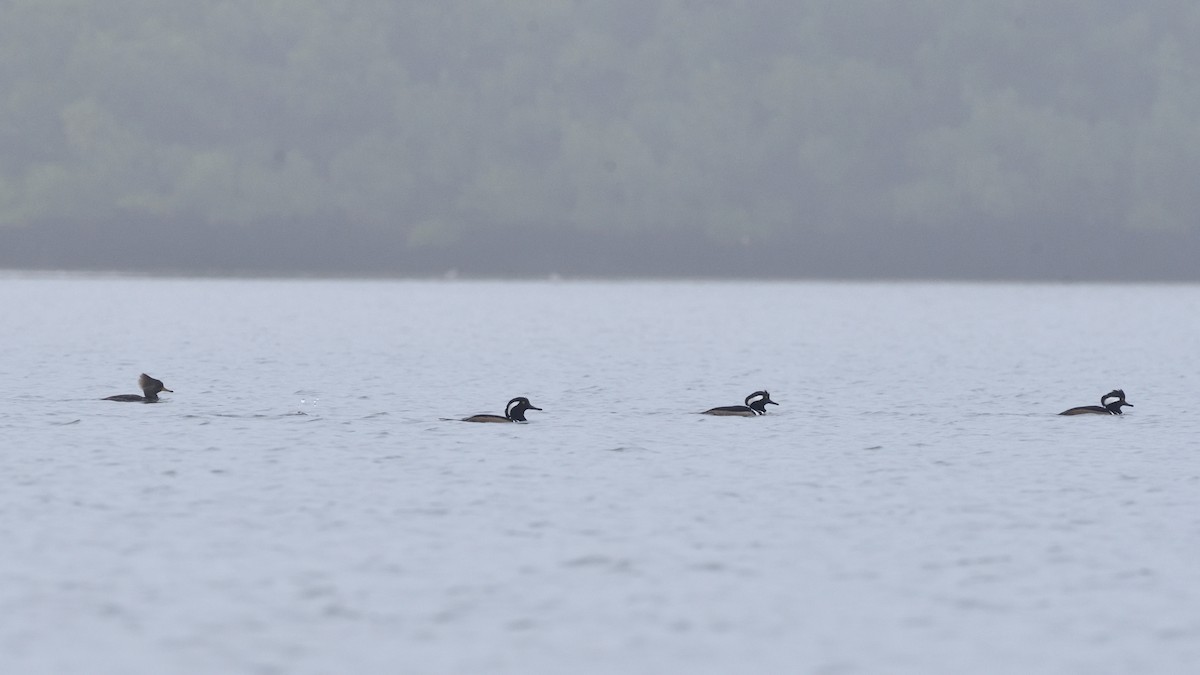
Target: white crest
x=512, y=405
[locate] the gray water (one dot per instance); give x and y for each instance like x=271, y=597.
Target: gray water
x=299, y=505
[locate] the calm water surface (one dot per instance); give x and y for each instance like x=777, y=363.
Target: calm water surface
x=298, y=504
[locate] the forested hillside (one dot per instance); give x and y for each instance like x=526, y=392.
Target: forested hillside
x=782, y=137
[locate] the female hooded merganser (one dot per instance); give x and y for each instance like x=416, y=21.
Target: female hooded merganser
x=513, y=412
x=150, y=387
x=756, y=404
x=1106, y=407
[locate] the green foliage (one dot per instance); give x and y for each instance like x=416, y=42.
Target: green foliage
x=733, y=121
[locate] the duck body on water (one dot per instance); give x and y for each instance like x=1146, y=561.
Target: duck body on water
x=1110, y=404
x=513, y=412
x=150, y=390
x=756, y=404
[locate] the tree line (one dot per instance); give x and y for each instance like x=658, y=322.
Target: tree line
x=723, y=136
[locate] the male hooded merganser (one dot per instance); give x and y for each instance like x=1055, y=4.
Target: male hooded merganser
x=150, y=387
x=756, y=404
x=513, y=412
x=1106, y=407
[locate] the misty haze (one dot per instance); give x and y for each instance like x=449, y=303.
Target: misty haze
x=860, y=138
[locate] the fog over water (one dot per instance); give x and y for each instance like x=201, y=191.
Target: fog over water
x=1005, y=139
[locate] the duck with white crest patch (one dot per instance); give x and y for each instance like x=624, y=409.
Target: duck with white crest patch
x=756, y=404
x=1106, y=407
x=513, y=412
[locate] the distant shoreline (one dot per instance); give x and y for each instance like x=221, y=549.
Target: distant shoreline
x=339, y=250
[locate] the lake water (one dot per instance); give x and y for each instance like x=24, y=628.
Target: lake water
x=297, y=505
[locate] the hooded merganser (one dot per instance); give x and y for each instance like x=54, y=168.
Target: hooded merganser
x=1106, y=407
x=513, y=412
x=756, y=404
x=150, y=387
